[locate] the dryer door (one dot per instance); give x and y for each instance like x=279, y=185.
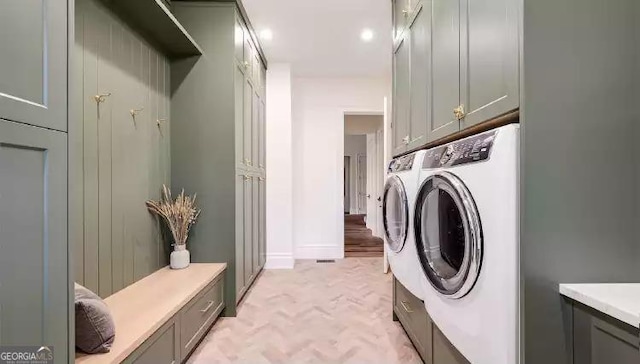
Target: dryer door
x=448, y=234
x=395, y=213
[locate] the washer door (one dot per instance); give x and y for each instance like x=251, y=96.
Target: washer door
x=448, y=234
x=395, y=213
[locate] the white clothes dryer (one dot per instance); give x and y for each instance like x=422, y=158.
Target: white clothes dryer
x=398, y=199
x=467, y=238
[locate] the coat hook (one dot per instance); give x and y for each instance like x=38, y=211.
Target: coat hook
x=101, y=97
x=135, y=112
x=158, y=122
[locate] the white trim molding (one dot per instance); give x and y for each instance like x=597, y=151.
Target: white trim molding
x=320, y=252
x=279, y=261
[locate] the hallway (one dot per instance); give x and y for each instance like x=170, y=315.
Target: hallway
x=317, y=313
x=358, y=240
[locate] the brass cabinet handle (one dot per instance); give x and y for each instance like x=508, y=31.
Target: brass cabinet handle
x=246, y=177
x=459, y=112
x=406, y=13
x=406, y=307
x=204, y=310
x=246, y=64
x=246, y=161
x=261, y=178
x=405, y=140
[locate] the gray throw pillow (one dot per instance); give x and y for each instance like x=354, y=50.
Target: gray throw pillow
x=95, y=330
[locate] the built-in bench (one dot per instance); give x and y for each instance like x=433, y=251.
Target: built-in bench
x=162, y=318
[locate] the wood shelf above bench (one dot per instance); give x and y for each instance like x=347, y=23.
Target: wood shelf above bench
x=155, y=21
x=187, y=301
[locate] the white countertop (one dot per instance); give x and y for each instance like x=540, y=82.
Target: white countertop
x=618, y=300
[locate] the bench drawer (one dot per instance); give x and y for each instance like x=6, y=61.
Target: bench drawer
x=198, y=315
x=414, y=318
x=161, y=348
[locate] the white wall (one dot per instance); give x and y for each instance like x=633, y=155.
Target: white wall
x=354, y=145
x=279, y=168
x=319, y=106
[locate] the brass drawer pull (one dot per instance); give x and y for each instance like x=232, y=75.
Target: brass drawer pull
x=406, y=307
x=208, y=307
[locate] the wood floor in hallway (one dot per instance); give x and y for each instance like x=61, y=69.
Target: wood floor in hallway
x=316, y=313
x=358, y=240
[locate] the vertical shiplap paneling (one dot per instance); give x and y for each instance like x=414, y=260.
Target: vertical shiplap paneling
x=106, y=70
x=125, y=160
x=76, y=137
x=90, y=140
x=121, y=53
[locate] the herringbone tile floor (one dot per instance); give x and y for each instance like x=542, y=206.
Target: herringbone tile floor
x=317, y=313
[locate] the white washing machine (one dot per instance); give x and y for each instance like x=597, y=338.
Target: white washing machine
x=466, y=234
x=397, y=211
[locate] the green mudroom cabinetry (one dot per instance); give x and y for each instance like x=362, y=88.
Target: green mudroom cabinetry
x=455, y=66
x=218, y=140
x=34, y=275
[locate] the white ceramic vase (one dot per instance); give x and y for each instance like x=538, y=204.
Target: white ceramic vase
x=180, y=257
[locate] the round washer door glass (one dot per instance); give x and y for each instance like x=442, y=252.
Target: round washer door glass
x=395, y=212
x=448, y=234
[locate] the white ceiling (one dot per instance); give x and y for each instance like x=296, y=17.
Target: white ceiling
x=321, y=38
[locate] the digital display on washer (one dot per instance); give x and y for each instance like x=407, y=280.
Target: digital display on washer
x=473, y=149
x=403, y=163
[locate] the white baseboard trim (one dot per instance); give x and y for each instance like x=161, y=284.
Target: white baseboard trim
x=279, y=261
x=319, y=252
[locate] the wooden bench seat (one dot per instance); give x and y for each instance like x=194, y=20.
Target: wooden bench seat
x=174, y=307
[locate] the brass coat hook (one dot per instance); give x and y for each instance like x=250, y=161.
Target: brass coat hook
x=135, y=112
x=101, y=97
x=159, y=123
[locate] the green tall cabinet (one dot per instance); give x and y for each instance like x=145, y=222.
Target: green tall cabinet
x=218, y=140
x=34, y=275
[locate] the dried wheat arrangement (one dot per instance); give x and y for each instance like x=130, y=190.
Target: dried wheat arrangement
x=179, y=214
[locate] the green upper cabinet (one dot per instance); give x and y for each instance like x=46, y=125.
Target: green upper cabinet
x=489, y=59
x=420, y=98
x=238, y=40
x=401, y=95
x=34, y=282
x=33, y=62
x=445, y=69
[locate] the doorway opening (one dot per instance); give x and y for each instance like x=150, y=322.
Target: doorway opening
x=363, y=184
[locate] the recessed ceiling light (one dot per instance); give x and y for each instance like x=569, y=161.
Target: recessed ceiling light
x=266, y=34
x=366, y=35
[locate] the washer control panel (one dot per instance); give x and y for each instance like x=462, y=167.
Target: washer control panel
x=401, y=164
x=469, y=150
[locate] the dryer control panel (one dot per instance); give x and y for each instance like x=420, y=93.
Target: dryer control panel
x=472, y=149
x=403, y=163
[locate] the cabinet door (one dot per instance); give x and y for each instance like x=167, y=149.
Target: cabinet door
x=420, y=40
x=445, y=68
x=262, y=139
x=240, y=221
x=239, y=85
x=33, y=220
x=256, y=224
x=238, y=40
x=255, y=125
x=248, y=122
x=33, y=62
x=443, y=351
x=248, y=229
x=263, y=221
x=600, y=339
x=401, y=96
x=489, y=59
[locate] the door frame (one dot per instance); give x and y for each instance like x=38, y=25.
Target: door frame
x=361, y=191
x=347, y=185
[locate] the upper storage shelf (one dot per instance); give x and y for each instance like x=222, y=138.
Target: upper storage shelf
x=154, y=20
